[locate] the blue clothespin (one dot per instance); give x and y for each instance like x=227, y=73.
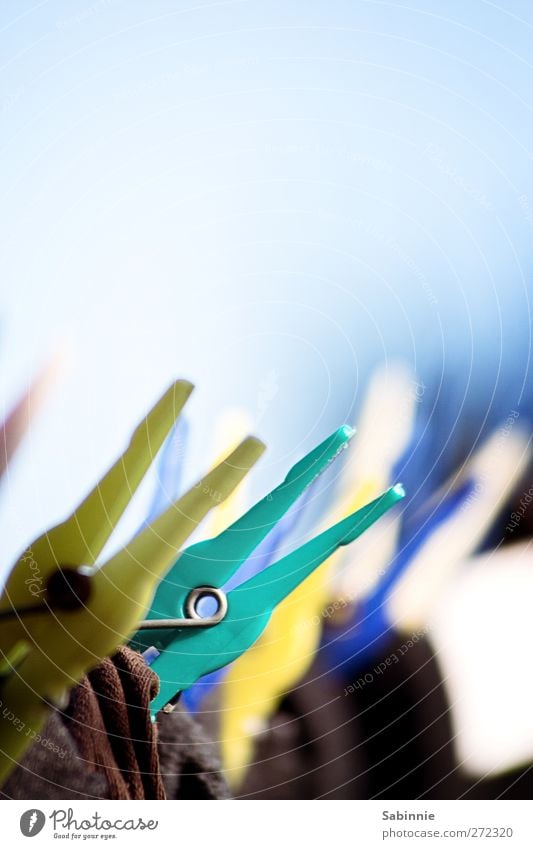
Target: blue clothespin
x=363, y=638
x=169, y=470
x=436, y=540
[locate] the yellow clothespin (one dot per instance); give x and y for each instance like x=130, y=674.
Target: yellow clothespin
x=59, y=616
x=384, y=430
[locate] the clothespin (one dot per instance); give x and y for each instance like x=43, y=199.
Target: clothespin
x=232, y=547
x=18, y=420
x=243, y=613
x=75, y=615
x=480, y=626
x=492, y=474
x=257, y=681
x=440, y=537
x=385, y=429
x=263, y=556
x=229, y=430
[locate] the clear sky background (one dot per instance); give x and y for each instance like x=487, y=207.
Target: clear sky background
x=267, y=198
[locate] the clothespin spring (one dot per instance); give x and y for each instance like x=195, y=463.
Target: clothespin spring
x=193, y=609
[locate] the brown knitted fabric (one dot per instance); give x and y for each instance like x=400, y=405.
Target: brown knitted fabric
x=109, y=718
x=54, y=770
x=189, y=762
x=86, y=725
x=140, y=685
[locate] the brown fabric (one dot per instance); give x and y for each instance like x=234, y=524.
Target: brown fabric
x=54, y=769
x=140, y=685
x=86, y=725
x=189, y=758
x=105, y=746
x=51, y=769
x=109, y=718
x=309, y=748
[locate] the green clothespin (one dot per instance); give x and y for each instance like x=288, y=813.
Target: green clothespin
x=224, y=553
x=59, y=616
x=245, y=611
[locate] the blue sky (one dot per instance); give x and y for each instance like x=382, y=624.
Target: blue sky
x=267, y=198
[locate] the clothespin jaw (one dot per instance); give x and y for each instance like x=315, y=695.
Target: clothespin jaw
x=194, y=653
x=213, y=562
x=79, y=539
x=83, y=614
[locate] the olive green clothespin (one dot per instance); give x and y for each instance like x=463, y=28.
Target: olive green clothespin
x=59, y=615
